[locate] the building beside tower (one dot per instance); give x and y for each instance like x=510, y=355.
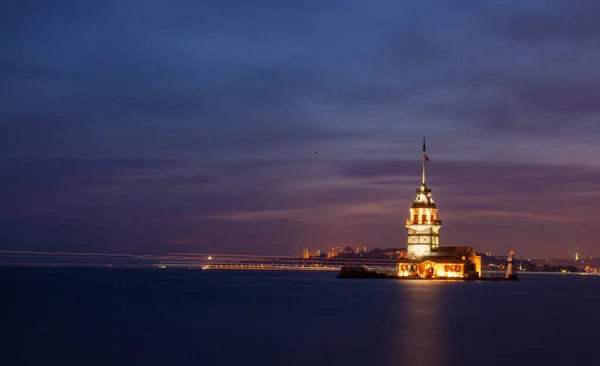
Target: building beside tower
x=425, y=256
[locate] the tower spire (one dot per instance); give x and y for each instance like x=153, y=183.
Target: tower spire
x=424, y=159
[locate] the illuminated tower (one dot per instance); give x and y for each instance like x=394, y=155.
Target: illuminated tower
x=423, y=224
x=511, y=270
x=576, y=253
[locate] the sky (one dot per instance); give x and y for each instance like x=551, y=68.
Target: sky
x=265, y=127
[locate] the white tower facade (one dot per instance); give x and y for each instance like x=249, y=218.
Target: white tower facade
x=511, y=269
x=423, y=223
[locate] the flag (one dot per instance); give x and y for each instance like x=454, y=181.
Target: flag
x=426, y=157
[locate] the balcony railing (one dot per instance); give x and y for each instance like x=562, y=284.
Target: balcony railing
x=424, y=222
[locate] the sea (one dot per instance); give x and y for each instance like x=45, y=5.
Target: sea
x=132, y=316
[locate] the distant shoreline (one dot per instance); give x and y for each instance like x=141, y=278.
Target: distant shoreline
x=197, y=267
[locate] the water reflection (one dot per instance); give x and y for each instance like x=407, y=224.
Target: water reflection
x=421, y=331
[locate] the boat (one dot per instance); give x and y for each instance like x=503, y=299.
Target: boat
x=350, y=271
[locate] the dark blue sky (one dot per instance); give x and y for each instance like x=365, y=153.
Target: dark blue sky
x=159, y=126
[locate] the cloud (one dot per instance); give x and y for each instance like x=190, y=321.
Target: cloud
x=117, y=117
x=259, y=215
x=534, y=217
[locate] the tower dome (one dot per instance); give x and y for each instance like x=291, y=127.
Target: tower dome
x=423, y=199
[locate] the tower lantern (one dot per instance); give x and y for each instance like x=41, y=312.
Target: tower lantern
x=423, y=224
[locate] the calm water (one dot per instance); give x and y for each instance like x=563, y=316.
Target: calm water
x=61, y=316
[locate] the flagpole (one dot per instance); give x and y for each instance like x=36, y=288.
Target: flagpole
x=423, y=163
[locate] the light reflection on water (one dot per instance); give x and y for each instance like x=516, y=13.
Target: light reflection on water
x=420, y=338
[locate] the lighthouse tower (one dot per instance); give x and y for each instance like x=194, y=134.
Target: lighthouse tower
x=511, y=269
x=423, y=224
